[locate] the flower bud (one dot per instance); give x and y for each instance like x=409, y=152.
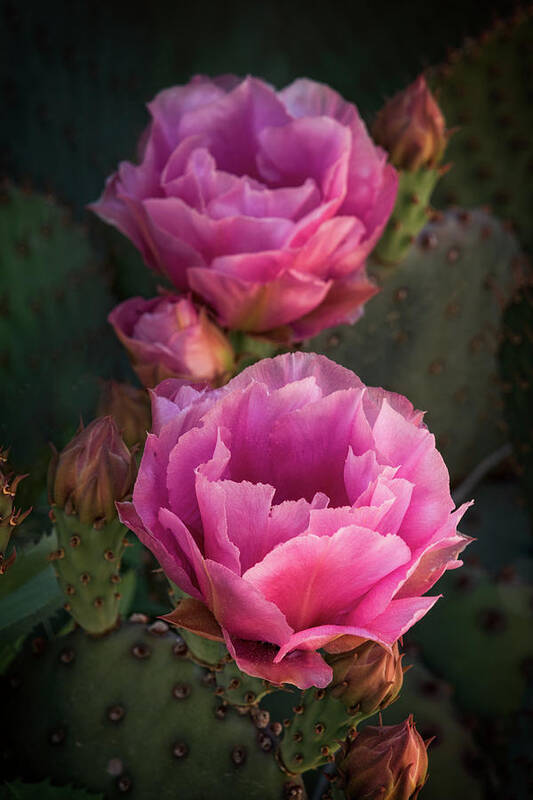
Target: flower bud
x=10, y=517
x=129, y=407
x=412, y=128
x=93, y=471
x=168, y=337
x=389, y=762
x=368, y=678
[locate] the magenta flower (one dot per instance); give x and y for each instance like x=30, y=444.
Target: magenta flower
x=264, y=203
x=299, y=509
x=168, y=337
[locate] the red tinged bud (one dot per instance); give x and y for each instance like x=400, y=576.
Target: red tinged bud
x=412, y=128
x=367, y=679
x=129, y=407
x=93, y=471
x=389, y=762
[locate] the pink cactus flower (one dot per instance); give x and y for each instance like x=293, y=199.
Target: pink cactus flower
x=168, y=337
x=299, y=509
x=266, y=204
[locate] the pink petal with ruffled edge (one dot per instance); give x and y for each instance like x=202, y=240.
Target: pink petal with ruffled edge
x=247, y=199
x=413, y=448
x=302, y=669
x=229, y=595
x=258, y=307
x=164, y=548
x=313, y=147
x=206, y=445
x=277, y=372
x=235, y=520
x=299, y=574
x=314, y=441
x=211, y=238
x=234, y=123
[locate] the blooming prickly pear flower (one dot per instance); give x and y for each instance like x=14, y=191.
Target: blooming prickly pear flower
x=411, y=127
x=389, y=762
x=298, y=509
x=264, y=203
x=129, y=407
x=10, y=517
x=93, y=471
x=367, y=679
x=169, y=337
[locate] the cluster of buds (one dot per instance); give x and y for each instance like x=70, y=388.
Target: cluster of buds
x=412, y=128
x=389, y=762
x=368, y=678
x=10, y=517
x=129, y=407
x=93, y=471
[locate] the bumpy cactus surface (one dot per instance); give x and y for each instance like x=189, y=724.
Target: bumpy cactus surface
x=485, y=90
x=432, y=332
x=129, y=712
x=53, y=332
x=480, y=641
x=516, y=366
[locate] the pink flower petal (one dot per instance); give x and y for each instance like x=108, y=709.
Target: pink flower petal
x=164, y=548
x=343, y=304
x=197, y=446
x=230, y=594
x=316, y=147
x=234, y=123
x=314, y=441
x=302, y=669
x=277, y=372
x=299, y=574
x=251, y=306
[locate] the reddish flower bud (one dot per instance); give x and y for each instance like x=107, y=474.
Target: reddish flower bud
x=389, y=762
x=93, y=471
x=129, y=407
x=368, y=678
x=412, y=128
x=168, y=337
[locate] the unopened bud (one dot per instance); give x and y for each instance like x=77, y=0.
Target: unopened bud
x=368, y=678
x=129, y=407
x=411, y=127
x=93, y=471
x=389, y=762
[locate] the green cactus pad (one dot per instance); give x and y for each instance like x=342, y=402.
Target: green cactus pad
x=43, y=791
x=478, y=637
x=54, y=338
x=432, y=332
x=410, y=214
x=516, y=366
x=129, y=713
x=500, y=525
x=87, y=562
x=319, y=724
x=238, y=689
x=485, y=90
